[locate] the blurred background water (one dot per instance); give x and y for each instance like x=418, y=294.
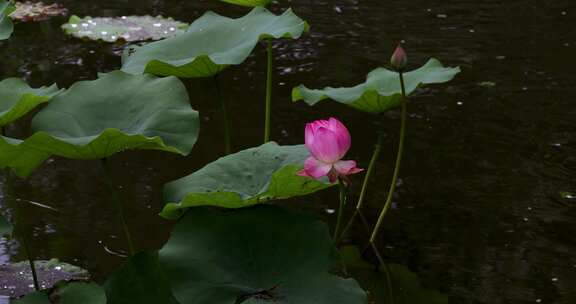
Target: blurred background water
x=484, y=211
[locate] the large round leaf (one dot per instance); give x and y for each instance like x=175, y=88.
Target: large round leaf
x=381, y=91
x=243, y=179
x=211, y=44
x=264, y=254
x=249, y=3
x=140, y=280
x=6, y=26
x=17, y=98
x=67, y=293
x=96, y=119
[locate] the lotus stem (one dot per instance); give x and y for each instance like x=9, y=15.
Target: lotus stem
x=225, y=117
x=269, y=71
x=23, y=238
x=31, y=262
x=392, y=189
x=343, y=189
x=119, y=206
x=369, y=171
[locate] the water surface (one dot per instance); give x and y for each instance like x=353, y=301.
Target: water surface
x=479, y=214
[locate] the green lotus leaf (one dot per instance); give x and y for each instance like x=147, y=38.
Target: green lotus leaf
x=249, y=3
x=37, y=11
x=140, y=280
x=212, y=43
x=243, y=179
x=126, y=28
x=404, y=285
x=19, y=276
x=96, y=119
x=6, y=26
x=20, y=156
x=264, y=254
x=381, y=91
x=68, y=293
x=5, y=226
x=17, y=98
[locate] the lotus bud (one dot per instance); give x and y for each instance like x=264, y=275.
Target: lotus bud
x=399, y=58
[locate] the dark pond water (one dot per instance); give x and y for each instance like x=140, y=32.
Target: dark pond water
x=479, y=214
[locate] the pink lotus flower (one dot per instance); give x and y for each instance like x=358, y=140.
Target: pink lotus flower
x=328, y=141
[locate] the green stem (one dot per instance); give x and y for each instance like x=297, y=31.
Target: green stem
x=225, y=117
x=359, y=204
x=119, y=206
x=31, y=262
x=369, y=171
x=268, y=90
x=397, y=166
x=342, y=187
x=23, y=239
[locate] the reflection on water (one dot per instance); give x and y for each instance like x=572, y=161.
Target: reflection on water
x=480, y=213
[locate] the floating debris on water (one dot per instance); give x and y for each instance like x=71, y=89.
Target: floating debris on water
x=487, y=84
x=16, y=278
x=37, y=11
x=124, y=28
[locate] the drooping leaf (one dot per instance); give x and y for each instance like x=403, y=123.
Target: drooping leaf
x=5, y=226
x=140, y=280
x=243, y=179
x=249, y=3
x=6, y=26
x=264, y=254
x=212, y=43
x=18, y=276
x=67, y=293
x=381, y=91
x=96, y=119
x=17, y=98
x=392, y=283
x=21, y=157
x=37, y=11
x=127, y=28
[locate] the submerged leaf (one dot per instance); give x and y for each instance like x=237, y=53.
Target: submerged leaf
x=212, y=43
x=381, y=91
x=140, y=280
x=391, y=283
x=5, y=226
x=37, y=11
x=249, y=3
x=18, y=277
x=243, y=179
x=6, y=26
x=17, y=98
x=127, y=28
x=67, y=293
x=264, y=254
x=96, y=119
x=38, y=297
x=77, y=292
